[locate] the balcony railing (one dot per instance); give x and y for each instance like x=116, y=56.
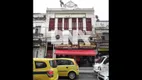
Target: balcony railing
x=101, y=28
x=37, y=34
x=36, y=45
x=39, y=18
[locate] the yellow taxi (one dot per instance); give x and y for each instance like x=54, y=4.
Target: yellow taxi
x=45, y=69
x=67, y=67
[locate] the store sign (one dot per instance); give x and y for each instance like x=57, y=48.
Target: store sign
x=92, y=46
x=103, y=46
x=103, y=49
x=59, y=37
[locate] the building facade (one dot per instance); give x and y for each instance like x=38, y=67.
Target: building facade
x=102, y=30
x=67, y=19
x=38, y=35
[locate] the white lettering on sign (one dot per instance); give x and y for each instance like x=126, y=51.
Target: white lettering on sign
x=58, y=38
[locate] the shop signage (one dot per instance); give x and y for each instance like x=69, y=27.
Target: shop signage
x=104, y=45
x=103, y=49
x=75, y=46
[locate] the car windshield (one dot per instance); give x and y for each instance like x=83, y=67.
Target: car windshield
x=100, y=60
x=53, y=63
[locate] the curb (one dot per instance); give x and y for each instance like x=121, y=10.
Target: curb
x=86, y=72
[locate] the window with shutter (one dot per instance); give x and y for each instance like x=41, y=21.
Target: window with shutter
x=88, y=24
x=66, y=24
x=51, y=24
x=73, y=23
x=80, y=24
x=59, y=23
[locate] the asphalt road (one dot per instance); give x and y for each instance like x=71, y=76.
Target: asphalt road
x=83, y=76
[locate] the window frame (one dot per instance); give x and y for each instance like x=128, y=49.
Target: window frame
x=60, y=24
x=66, y=62
x=66, y=23
x=40, y=62
x=51, y=24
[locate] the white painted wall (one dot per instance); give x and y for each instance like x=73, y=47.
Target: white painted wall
x=35, y=52
x=101, y=24
x=70, y=15
x=41, y=52
x=51, y=15
x=42, y=29
x=38, y=14
x=92, y=16
x=102, y=31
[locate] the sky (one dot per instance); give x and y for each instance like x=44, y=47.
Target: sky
x=101, y=7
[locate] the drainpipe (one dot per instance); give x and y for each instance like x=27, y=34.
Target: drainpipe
x=53, y=54
x=46, y=41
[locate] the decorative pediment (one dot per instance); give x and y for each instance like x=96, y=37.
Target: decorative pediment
x=70, y=4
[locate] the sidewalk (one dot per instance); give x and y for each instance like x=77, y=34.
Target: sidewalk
x=86, y=70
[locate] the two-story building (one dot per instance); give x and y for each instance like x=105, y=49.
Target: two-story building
x=38, y=35
x=102, y=30
x=67, y=19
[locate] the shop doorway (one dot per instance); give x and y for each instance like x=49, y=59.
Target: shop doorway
x=86, y=61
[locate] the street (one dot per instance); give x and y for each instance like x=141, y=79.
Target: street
x=83, y=76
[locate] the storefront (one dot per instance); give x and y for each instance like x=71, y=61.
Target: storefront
x=103, y=51
x=84, y=58
x=103, y=48
x=83, y=54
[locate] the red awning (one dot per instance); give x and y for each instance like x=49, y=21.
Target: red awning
x=76, y=52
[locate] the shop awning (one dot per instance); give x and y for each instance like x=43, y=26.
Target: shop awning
x=76, y=52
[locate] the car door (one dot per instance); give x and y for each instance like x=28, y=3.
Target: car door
x=71, y=66
x=40, y=70
x=62, y=67
x=34, y=77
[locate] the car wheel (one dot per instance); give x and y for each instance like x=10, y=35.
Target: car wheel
x=72, y=75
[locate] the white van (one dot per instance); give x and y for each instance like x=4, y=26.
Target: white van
x=100, y=63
